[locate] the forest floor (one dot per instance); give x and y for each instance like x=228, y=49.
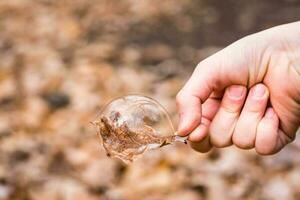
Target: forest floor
x=61, y=61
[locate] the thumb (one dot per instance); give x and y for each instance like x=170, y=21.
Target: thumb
x=195, y=92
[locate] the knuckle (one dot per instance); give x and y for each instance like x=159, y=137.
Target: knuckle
x=256, y=105
x=232, y=105
x=232, y=108
x=179, y=97
x=254, y=108
x=202, y=67
x=199, y=66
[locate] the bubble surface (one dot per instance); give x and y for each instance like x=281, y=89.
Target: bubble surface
x=132, y=124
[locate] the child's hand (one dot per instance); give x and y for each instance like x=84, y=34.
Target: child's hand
x=247, y=94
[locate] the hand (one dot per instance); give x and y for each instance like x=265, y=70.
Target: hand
x=247, y=94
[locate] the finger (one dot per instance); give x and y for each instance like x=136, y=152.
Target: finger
x=190, y=98
x=199, y=139
x=283, y=140
x=253, y=111
x=189, y=109
x=200, y=132
x=222, y=126
x=267, y=136
x=210, y=107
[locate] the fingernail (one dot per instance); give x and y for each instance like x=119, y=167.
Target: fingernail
x=259, y=91
x=236, y=91
x=269, y=113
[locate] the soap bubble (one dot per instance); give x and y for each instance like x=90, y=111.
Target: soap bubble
x=131, y=124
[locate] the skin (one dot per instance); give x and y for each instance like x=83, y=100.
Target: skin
x=247, y=94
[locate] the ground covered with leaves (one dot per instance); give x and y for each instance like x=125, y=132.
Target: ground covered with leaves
x=61, y=61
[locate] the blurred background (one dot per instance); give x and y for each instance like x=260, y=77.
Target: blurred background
x=61, y=61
